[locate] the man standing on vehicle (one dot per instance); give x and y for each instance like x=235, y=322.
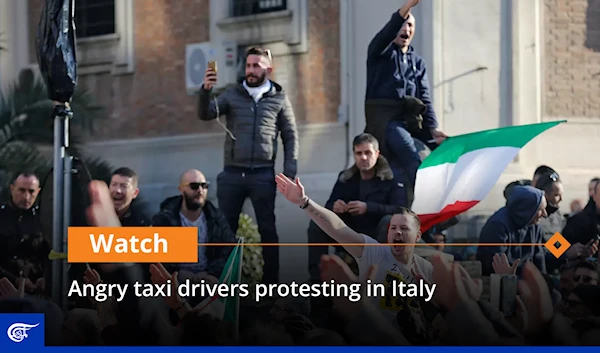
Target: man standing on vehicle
x=257, y=111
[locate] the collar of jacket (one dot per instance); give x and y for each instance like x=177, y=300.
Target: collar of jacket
x=382, y=170
x=275, y=88
x=30, y=212
x=172, y=206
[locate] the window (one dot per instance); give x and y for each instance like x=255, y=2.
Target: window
x=254, y=7
x=94, y=18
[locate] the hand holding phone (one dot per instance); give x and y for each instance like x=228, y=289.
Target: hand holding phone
x=210, y=76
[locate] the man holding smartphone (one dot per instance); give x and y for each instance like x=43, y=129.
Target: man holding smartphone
x=258, y=111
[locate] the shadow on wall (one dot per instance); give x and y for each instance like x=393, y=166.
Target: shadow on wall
x=592, y=20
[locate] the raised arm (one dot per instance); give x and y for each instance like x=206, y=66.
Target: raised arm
x=327, y=220
x=289, y=136
x=209, y=109
x=389, y=32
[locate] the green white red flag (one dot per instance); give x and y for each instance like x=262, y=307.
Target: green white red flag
x=462, y=171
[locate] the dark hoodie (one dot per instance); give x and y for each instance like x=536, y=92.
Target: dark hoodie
x=393, y=75
x=218, y=231
x=511, y=224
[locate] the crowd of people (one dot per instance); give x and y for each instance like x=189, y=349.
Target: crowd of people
x=556, y=300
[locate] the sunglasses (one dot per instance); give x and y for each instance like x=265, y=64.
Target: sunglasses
x=196, y=186
x=261, y=51
x=573, y=303
x=553, y=177
x=586, y=279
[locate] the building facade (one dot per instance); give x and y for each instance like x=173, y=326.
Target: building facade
x=491, y=63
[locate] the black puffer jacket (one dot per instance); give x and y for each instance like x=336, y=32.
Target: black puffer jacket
x=255, y=126
x=218, y=231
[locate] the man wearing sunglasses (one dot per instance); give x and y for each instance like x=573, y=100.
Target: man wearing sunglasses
x=192, y=209
x=553, y=189
x=258, y=111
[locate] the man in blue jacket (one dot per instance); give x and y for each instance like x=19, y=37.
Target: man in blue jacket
x=515, y=223
x=398, y=99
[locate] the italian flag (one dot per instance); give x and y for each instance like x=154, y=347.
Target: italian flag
x=463, y=170
x=227, y=308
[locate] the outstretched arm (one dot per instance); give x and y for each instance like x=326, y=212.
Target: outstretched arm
x=327, y=220
x=388, y=33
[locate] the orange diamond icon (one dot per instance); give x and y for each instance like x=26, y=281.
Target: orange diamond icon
x=557, y=250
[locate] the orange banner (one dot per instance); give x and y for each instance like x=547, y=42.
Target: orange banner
x=133, y=244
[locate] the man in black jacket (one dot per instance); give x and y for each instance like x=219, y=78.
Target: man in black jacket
x=23, y=249
x=583, y=229
x=257, y=111
x=361, y=197
x=192, y=209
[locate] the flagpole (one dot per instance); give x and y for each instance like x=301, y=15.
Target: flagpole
x=239, y=280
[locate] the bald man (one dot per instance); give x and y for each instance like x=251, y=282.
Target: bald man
x=192, y=209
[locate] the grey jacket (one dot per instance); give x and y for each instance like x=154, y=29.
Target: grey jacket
x=255, y=126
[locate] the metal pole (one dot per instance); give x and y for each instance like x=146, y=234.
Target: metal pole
x=68, y=169
x=62, y=200
x=58, y=206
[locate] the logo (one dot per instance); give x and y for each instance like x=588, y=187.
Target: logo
x=18, y=332
x=24, y=331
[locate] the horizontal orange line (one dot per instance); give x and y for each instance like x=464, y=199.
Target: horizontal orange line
x=368, y=244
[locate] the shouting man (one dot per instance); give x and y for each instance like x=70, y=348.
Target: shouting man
x=398, y=265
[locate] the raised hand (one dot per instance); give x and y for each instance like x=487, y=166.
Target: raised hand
x=293, y=191
x=591, y=248
x=101, y=212
x=536, y=296
x=502, y=266
x=334, y=268
x=160, y=275
x=210, y=79
x=7, y=289
x=454, y=285
x=91, y=276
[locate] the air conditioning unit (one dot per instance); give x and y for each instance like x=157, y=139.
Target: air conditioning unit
x=197, y=56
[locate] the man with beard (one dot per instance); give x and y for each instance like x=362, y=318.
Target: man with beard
x=257, y=111
x=192, y=209
x=552, y=186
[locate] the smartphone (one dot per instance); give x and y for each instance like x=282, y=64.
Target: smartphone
x=213, y=66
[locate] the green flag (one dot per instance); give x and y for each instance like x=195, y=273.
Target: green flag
x=227, y=308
